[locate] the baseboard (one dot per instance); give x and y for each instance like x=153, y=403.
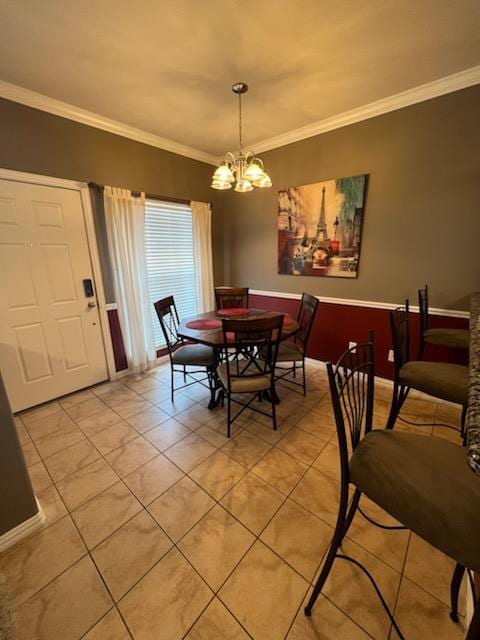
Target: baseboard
x=22, y=530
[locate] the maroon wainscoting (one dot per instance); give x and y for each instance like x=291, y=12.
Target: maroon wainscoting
x=117, y=340
x=338, y=324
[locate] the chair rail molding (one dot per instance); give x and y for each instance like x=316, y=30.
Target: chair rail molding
x=388, y=306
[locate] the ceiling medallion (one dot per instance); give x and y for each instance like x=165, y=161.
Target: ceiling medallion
x=244, y=170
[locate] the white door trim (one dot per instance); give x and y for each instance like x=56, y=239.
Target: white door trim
x=82, y=188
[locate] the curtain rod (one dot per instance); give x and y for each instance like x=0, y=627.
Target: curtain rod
x=151, y=196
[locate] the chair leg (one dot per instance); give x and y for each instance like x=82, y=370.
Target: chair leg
x=454, y=590
x=462, y=423
x=399, y=396
x=473, y=632
x=339, y=534
x=273, y=398
x=184, y=373
x=229, y=414
x=294, y=369
x=171, y=382
x=304, y=378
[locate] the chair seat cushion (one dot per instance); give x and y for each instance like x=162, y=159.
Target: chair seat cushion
x=289, y=352
x=244, y=383
x=452, y=338
x=426, y=484
x=194, y=354
x=439, y=379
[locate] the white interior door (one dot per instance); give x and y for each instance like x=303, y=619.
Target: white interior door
x=50, y=335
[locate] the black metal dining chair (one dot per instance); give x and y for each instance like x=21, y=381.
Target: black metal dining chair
x=294, y=351
x=443, y=337
x=183, y=355
x=231, y=297
x=245, y=373
x=416, y=480
x=441, y=380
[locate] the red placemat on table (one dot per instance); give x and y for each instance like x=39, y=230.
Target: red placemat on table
x=234, y=311
x=204, y=324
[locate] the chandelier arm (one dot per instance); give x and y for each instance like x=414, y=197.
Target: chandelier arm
x=229, y=158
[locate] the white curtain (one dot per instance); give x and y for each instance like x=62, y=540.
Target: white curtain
x=125, y=221
x=202, y=255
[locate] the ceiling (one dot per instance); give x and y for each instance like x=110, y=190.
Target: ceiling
x=167, y=67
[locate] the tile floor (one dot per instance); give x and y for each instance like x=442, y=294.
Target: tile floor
x=160, y=528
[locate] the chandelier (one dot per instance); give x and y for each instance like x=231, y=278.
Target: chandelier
x=244, y=170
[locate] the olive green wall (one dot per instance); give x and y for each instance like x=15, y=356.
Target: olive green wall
x=422, y=214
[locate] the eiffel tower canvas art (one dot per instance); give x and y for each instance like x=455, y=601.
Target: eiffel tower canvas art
x=320, y=228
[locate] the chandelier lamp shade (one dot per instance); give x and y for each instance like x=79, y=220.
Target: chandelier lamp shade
x=241, y=170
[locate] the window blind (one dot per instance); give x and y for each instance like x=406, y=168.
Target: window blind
x=169, y=253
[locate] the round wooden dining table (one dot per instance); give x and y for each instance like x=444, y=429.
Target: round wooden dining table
x=206, y=328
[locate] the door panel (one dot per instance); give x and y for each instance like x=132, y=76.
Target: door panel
x=50, y=339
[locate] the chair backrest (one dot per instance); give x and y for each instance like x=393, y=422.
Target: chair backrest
x=246, y=339
x=352, y=392
x=399, y=322
x=306, y=317
x=168, y=318
x=423, y=313
x=230, y=297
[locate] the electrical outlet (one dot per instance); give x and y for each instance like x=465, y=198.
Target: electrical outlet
x=352, y=345
x=390, y=355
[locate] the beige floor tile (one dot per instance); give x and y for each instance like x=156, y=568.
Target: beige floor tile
x=388, y=545
x=114, y=437
x=197, y=392
x=190, y=452
x=76, y=398
x=216, y=623
x=131, y=407
x=246, y=449
x=214, y=436
x=66, y=608
x=180, y=403
x=52, y=505
x=167, y=601
x=302, y=445
x=107, y=387
x=447, y=434
x=319, y=494
x=264, y=593
x=117, y=396
x=126, y=556
x=318, y=423
x=327, y=622
x=195, y=417
x=253, y=502
x=265, y=432
x=37, y=560
x=39, y=477
x=105, y=513
x=142, y=384
x=30, y=453
x=99, y=422
x=432, y=570
x=217, y=474
x=110, y=627
x=130, y=456
x=40, y=412
x=21, y=431
x=158, y=394
x=167, y=434
x=299, y=537
x=328, y=462
x=85, y=409
x=448, y=414
x=180, y=508
x=350, y=590
x=153, y=478
x=147, y=419
x=215, y=545
x=280, y=470
x=59, y=441
x=72, y=459
x=81, y=486
x=419, y=615
x=219, y=424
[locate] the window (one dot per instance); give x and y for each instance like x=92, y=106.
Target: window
x=169, y=251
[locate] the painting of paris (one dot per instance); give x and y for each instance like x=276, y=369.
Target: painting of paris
x=320, y=228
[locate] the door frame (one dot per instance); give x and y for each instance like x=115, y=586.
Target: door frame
x=83, y=190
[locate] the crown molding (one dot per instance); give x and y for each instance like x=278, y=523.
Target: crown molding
x=448, y=84
x=63, y=109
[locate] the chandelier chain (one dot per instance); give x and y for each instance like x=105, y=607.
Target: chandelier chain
x=240, y=120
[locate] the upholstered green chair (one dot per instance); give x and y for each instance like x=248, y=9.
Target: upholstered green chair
x=291, y=354
x=438, y=379
x=424, y=483
x=442, y=337
x=242, y=372
x=183, y=357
